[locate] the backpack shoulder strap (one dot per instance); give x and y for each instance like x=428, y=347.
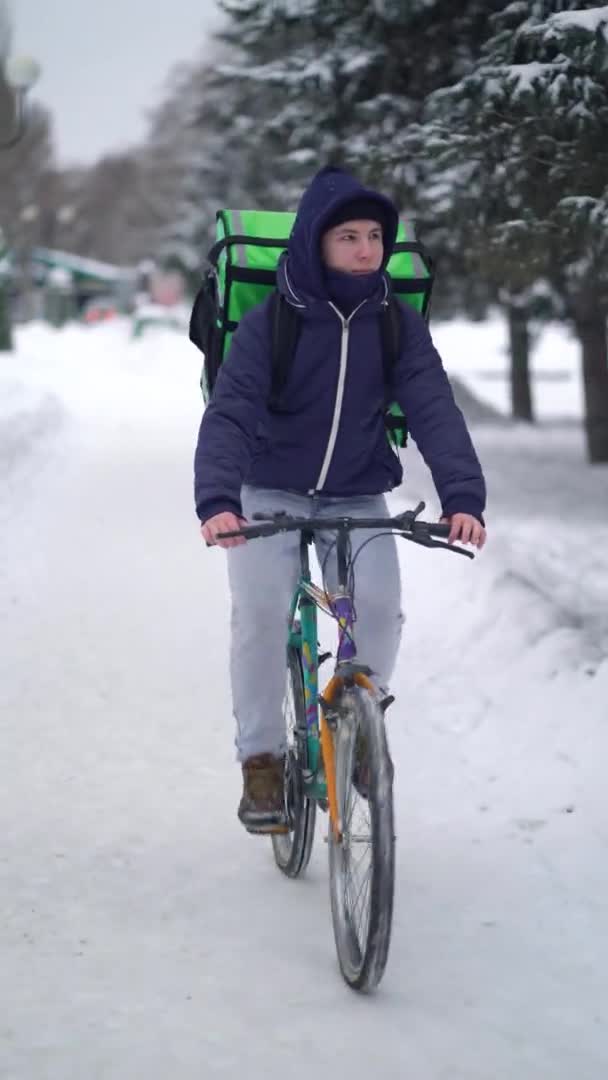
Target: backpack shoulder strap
x=285, y=324
x=390, y=334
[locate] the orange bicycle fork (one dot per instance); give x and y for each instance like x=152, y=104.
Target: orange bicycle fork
x=320, y=739
x=329, y=696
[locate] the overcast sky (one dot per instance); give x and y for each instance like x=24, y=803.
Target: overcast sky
x=101, y=70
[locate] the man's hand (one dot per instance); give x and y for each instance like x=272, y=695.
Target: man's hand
x=466, y=528
x=224, y=522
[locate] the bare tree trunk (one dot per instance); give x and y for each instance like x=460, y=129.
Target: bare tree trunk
x=591, y=326
x=519, y=343
x=6, y=339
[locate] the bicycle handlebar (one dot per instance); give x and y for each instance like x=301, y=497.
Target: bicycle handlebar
x=406, y=525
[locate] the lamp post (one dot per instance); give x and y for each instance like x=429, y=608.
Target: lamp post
x=20, y=73
x=6, y=341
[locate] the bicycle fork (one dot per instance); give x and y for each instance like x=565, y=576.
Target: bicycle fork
x=329, y=721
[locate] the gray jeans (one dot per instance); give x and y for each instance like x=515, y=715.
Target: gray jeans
x=263, y=575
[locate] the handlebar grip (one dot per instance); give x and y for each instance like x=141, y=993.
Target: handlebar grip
x=250, y=532
x=441, y=529
x=229, y=535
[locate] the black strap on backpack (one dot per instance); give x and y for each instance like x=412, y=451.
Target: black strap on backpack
x=286, y=325
x=390, y=334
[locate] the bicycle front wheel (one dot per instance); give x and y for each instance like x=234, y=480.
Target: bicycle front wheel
x=292, y=850
x=362, y=860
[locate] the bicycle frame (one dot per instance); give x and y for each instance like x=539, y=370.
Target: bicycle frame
x=303, y=631
x=303, y=635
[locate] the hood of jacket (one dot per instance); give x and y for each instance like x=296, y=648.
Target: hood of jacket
x=302, y=276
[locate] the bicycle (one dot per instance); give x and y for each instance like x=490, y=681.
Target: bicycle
x=337, y=754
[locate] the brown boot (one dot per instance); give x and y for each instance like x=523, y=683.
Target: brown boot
x=262, y=806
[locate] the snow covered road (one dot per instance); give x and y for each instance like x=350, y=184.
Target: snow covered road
x=142, y=932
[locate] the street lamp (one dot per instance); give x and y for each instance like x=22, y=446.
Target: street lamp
x=20, y=72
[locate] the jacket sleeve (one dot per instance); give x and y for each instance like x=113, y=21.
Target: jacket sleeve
x=230, y=423
x=422, y=389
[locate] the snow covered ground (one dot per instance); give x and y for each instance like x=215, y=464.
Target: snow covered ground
x=479, y=353
x=142, y=932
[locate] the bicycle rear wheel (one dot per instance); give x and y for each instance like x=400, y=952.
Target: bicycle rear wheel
x=292, y=850
x=362, y=861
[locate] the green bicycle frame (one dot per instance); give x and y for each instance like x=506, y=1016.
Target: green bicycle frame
x=303, y=636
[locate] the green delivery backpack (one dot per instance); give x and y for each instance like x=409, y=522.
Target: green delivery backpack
x=241, y=273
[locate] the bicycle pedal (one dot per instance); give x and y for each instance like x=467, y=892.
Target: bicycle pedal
x=277, y=828
x=323, y=657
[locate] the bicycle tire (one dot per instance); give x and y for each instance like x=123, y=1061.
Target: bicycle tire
x=292, y=850
x=362, y=949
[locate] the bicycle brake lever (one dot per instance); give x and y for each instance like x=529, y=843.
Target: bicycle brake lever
x=424, y=540
x=449, y=547
x=406, y=521
x=408, y=517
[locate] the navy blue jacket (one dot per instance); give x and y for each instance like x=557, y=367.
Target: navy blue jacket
x=328, y=433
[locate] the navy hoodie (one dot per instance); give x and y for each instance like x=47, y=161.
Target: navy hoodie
x=327, y=433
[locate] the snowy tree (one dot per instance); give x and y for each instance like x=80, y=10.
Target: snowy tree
x=108, y=213
x=521, y=156
x=428, y=45
x=421, y=46
x=249, y=129
x=115, y=210
x=291, y=87
x=327, y=76
x=201, y=155
x=173, y=162
x=260, y=45
x=346, y=81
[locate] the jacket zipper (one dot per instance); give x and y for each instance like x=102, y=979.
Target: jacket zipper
x=335, y=424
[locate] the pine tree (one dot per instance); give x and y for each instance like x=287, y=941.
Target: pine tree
x=202, y=154
x=521, y=145
x=345, y=81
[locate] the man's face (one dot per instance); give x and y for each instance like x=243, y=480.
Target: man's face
x=355, y=247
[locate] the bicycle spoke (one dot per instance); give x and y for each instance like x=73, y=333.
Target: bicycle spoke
x=352, y=879
x=353, y=801
x=363, y=907
x=363, y=825
x=359, y=903
x=366, y=851
x=358, y=867
x=358, y=874
x=355, y=910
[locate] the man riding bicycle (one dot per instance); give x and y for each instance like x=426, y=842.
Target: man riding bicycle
x=322, y=451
